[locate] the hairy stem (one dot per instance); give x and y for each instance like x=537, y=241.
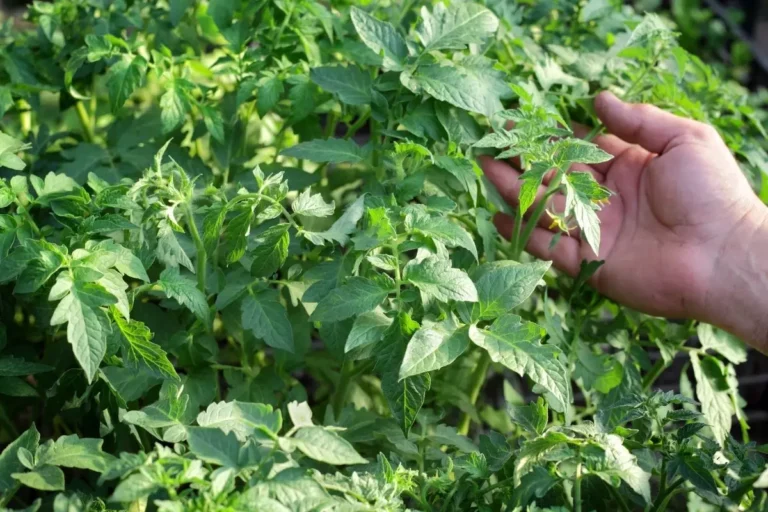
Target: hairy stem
x=342, y=389
x=354, y=127
x=654, y=373
x=533, y=220
x=476, y=384
x=199, y=245
x=577, y=489
x=85, y=121
x=662, y=500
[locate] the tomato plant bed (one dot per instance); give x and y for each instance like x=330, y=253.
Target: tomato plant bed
x=248, y=262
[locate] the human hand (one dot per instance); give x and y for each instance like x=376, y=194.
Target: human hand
x=677, y=227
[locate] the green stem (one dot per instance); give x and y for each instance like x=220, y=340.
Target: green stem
x=619, y=499
x=199, y=245
x=25, y=212
x=656, y=370
x=330, y=127
x=398, y=278
x=342, y=389
x=5, y=500
x=577, y=490
x=280, y=31
x=516, y=232
x=256, y=195
x=85, y=121
x=476, y=384
x=500, y=483
x=5, y=420
x=533, y=220
x=354, y=127
x=25, y=119
x=375, y=132
x=662, y=500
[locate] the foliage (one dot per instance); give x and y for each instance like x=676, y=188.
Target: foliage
x=220, y=216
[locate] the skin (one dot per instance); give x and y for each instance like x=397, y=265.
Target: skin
x=684, y=236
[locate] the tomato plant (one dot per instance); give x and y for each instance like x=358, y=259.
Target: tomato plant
x=248, y=262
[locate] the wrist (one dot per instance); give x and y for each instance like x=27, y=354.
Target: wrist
x=737, y=296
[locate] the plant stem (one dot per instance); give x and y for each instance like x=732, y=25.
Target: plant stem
x=656, y=370
x=330, y=127
x=398, y=277
x=199, y=245
x=25, y=119
x=5, y=500
x=516, y=232
x=500, y=483
x=25, y=212
x=85, y=121
x=476, y=384
x=354, y=127
x=342, y=389
x=577, y=490
x=660, y=504
x=533, y=221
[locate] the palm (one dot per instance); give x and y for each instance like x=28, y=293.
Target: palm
x=674, y=204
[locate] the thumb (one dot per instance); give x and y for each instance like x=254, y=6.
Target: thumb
x=646, y=125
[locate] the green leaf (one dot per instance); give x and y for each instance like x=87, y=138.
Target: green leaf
x=381, y=37
x=469, y=88
x=11, y=366
x=38, y=272
x=214, y=446
x=135, y=487
x=88, y=327
x=312, y=205
x=435, y=278
x=326, y=446
x=328, y=150
x=213, y=122
x=140, y=353
x=123, y=78
x=267, y=319
x=8, y=149
x=573, y=150
x=341, y=229
x=433, y=347
x=712, y=392
x=169, y=251
x=272, y=250
x=73, y=452
x=619, y=462
x=44, y=478
x=504, y=285
x=514, y=343
x=174, y=106
x=358, y=295
x=532, y=180
x=456, y=26
x=725, y=344
x=600, y=372
x=9, y=460
x=368, y=328
x=185, y=292
x=463, y=170
x=445, y=231
x=269, y=95
x=243, y=419
x=353, y=85
x=693, y=470
x=532, y=417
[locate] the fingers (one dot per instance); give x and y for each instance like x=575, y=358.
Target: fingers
x=646, y=125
